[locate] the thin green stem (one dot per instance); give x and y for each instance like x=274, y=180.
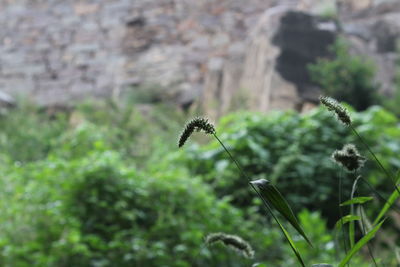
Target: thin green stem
x=353, y=191
x=341, y=214
x=396, y=209
x=368, y=244
x=265, y=202
x=232, y=158
x=245, y=175
x=351, y=224
x=388, y=174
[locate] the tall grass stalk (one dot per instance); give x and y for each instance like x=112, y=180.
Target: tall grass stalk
x=265, y=202
x=363, y=231
x=341, y=213
x=343, y=116
x=201, y=124
x=387, y=173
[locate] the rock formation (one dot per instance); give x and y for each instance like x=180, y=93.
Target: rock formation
x=221, y=55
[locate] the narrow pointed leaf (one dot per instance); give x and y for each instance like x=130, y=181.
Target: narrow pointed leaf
x=351, y=223
x=346, y=219
x=270, y=193
x=392, y=199
x=291, y=243
x=356, y=200
x=351, y=233
x=360, y=244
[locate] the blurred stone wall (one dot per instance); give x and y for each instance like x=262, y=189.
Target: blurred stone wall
x=57, y=51
x=220, y=54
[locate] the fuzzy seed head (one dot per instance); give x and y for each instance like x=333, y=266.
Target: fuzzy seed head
x=349, y=158
x=196, y=124
x=341, y=112
x=233, y=241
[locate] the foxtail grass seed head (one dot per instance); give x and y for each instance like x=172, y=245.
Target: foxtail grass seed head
x=341, y=112
x=233, y=241
x=349, y=158
x=196, y=124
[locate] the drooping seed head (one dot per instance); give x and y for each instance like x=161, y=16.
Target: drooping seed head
x=196, y=124
x=349, y=158
x=341, y=112
x=233, y=241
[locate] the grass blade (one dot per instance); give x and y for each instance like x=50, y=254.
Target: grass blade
x=346, y=219
x=360, y=244
x=270, y=193
x=291, y=243
x=393, y=197
x=351, y=234
x=356, y=200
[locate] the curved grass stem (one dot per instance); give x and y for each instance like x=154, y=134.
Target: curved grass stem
x=353, y=191
x=368, y=244
x=394, y=207
x=388, y=174
x=341, y=214
x=265, y=202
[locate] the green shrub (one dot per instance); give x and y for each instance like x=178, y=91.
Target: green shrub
x=28, y=134
x=293, y=151
x=346, y=77
x=93, y=211
x=80, y=191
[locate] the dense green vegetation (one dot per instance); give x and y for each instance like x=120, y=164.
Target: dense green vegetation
x=105, y=185
x=293, y=151
x=346, y=77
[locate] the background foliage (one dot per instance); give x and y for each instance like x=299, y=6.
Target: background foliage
x=293, y=152
x=346, y=77
x=101, y=186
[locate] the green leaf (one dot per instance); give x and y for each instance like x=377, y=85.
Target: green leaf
x=351, y=224
x=356, y=200
x=271, y=194
x=360, y=244
x=393, y=197
x=346, y=219
x=351, y=233
x=291, y=243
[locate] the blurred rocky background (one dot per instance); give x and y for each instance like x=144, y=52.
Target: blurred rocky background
x=216, y=55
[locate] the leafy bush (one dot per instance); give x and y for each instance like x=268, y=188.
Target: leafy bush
x=325, y=246
x=94, y=211
x=293, y=152
x=152, y=128
x=77, y=190
x=28, y=134
x=272, y=199
x=346, y=77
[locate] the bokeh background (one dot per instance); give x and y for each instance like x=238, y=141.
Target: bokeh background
x=94, y=95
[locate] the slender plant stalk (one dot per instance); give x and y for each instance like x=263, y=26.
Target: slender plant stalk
x=265, y=202
x=394, y=207
x=232, y=158
x=351, y=225
x=343, y=116
x=368, y=244
x=341, y=214
x=247, y=177
x=388, y=174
